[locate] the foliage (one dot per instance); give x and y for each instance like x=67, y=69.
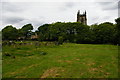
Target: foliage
x=75, y=32
x=9, y=33
x=104, y=32
x=78, y=33
x=26, y=30
x=44, y=32
x=60, y=40
x=118, y=30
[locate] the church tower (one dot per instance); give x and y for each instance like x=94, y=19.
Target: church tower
x=82, y=17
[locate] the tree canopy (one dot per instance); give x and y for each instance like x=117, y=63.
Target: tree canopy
x=74, y=32
x=9, y=33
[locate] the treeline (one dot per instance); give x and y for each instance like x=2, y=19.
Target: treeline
x=75, y=32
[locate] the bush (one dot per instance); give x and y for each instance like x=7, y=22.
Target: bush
x=60, y=40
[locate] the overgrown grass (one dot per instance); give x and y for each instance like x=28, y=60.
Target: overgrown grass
x=64, y=61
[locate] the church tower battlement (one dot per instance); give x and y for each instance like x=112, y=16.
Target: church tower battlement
x=82, y=17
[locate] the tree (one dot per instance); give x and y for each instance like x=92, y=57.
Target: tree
x=117, y=30
x=43, y=32
x=0, y=36
x=9, y=33
x=77, y=32
x=60, y=40
x=104, y=32
x=26, y=30
x=82, y=33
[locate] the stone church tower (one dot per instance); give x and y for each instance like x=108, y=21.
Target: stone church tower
x=82, y=17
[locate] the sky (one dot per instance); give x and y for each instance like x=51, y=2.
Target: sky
x=39, y=12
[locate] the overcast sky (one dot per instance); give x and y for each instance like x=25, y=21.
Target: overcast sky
x=38, y=12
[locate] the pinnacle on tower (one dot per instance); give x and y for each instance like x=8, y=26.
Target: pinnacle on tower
x=85, y=11
x=78, y=12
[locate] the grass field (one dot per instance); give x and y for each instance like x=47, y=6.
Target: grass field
x=64, y=61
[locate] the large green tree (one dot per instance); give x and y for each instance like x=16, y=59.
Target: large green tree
x=26, y=31
x=9, y=33
x=118, y=30
x=104, y=32
x=82, y=33
x=44, y=32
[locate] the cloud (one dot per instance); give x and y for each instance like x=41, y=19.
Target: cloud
x=105, y=3
x=12, y=19
x=12, y=7
x=108, y=5
x=106, y=17
x=38, y=13
x=69, y=4
x=119, y=4
x=59, y=0
x=95, y=18
x=119, y=9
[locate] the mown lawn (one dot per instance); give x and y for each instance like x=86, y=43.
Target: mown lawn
x=64, y=61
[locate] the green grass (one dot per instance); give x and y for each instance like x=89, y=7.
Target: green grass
x=65, y=61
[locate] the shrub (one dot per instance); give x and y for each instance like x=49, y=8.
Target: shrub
x=60, y=40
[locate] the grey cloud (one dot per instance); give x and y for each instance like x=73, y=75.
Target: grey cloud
x=19, y=14
x=95, y=18
x=12, y=6
x=12, y=20
x=108, y=5
x=105, y=3
x=69, y=4
x=111, y=8
x=119, y=4
x=106, y=17
x=119, y=9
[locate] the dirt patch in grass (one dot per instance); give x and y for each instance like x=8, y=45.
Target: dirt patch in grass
x=107, y=73
x=29, y=51
x=18, y=71
x=53, y=72
x=67, y=61
x=23, y=69
x=90, y=64
x=20, y=77
x=93, y=69
x=78, y=59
